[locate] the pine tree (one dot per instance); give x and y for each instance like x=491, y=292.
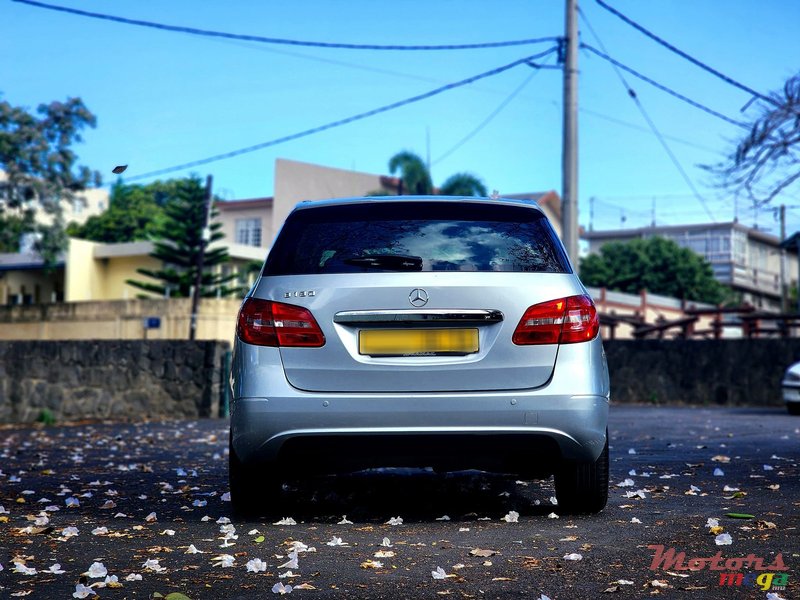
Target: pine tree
x=180, y=244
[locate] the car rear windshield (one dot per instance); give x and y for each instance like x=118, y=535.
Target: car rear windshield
x=416, y=236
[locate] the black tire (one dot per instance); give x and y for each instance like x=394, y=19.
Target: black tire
x=255, y=489
x=583, y=487
x=793, y=408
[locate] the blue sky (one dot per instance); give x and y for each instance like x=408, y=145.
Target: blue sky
x=164, y=98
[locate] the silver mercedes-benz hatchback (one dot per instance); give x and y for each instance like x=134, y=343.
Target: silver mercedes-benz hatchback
x=427, y=331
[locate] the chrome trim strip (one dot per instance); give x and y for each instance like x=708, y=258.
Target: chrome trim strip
x=419, y=316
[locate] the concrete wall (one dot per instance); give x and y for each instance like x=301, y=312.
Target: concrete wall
x=701, y=372
x=130, y=380
x=119, y=319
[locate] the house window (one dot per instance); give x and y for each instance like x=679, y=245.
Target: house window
x=248, y=232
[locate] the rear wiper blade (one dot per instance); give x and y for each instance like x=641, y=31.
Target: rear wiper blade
x=386, y=262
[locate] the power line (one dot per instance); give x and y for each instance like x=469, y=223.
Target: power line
x=652, y=125
x=683, y=54
x=340, y=122
x=488, y=119
x=663, y=88
x=282, y=41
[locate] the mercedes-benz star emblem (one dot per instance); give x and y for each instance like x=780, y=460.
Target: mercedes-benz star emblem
x=418, y=297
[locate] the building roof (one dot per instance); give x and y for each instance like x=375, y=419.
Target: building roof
x=640, y=232
x=16, y=261
x=550, y=199
x=247, y=204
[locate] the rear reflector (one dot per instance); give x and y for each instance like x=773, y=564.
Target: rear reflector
x=267, y=323
x=564, y=321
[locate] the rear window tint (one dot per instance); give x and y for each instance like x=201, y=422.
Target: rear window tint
x=414, y=236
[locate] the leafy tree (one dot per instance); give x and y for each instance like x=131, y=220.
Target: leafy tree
x=415, y=179
x=135, y=212
x=766, y=162
x=11, y=229
x=656, y=264
x=40, y=167
x=180, y=244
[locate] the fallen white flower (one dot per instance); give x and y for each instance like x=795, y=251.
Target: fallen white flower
x=199, y=503
x=729, y=488
x=553, y=500
x=635, y=520
x=768, y=468
x=223, y=560
x=133, y=577
x=344, y=521
x=386, y=543
x=719, y=472
x=395, y=521
x=335, y=541
x=443, y=518
x=226, y=497
x=21, y=568
x=100, y=531
x=511, y=517
x=626, y=483
x=723, y=539
x=573, y=556
x=96, y=571
x=631, y=451
x=286, y=521
x=291, y=563
x=712, y=522
x=193, y=550
x=623, y=582
x=81, y=591
x=253, y=532
x=439, y=573
x=281, y=589
x=553, y=516
x=168, y=532
x=71, y=501
x=151, y=517
x=151, y=564
x=256, y=565
x=636, y=494
x=69, y=532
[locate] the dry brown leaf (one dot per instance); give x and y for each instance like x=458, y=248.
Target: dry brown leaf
x=482, y=553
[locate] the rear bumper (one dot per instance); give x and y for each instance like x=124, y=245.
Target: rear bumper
x=458, y=431
x=791, y=393
x=512, y=431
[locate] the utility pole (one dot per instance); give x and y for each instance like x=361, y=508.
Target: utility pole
x=784, y=294
x=204, y=239
x=569, y=157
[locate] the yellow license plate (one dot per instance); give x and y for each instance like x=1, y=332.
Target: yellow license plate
x=402, y=342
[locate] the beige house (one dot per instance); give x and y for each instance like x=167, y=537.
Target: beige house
x=92, y=271
x=87, y=203
x=255, y=222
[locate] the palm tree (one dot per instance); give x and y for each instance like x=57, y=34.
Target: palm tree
x=415, y=178
x=463, y=184
x=414, y=175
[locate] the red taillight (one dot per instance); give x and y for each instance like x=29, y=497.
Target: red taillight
x=266, y=323
x=564, y=321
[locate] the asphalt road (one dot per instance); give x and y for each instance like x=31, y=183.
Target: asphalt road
x=138, y=497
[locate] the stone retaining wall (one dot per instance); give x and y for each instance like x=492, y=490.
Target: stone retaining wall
x=124, y=379
x=102, y=379
x=704, y=372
